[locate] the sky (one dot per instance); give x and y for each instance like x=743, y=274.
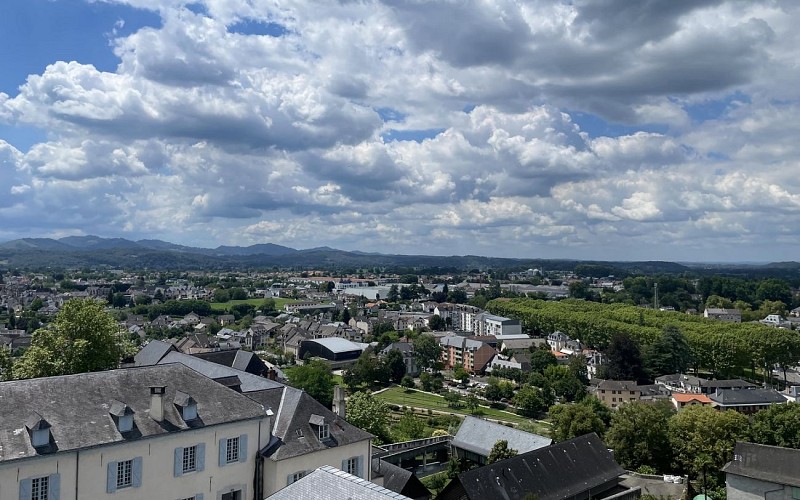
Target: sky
x=588, y=129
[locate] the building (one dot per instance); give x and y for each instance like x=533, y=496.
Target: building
x=337, y=351
x=580, y=468
x=557, y=341
x=746, y=401
x=473, y=354
x=476, y=437
x=728, y=315
x=399, y=480
x=407, y=350
x=761, y=471
x=149, y=432
x=330, y=482
x=681, y=400
x=678, y=382
x=613, y=393
x=489, y=324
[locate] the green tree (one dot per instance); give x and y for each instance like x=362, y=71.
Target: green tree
x=6, y=365
x=565, y=383
x=407, y=382
x=453, y=399
x=541, y=359
x=702, y=439
x=369, y=413
x=427, y=352
x=623, y=359
x=472, y=403
x=394, y=294
x=409, y=427
x=531, y=401
x=778, y=425
x=221, y=295
x=82, y=338
x=668, y=354
x=639, y=435
x=316, y=379
x=36, y=304
x=268, y=304
x=500, y=451
x=573, y=420
x=394, y=365
x=437, y=323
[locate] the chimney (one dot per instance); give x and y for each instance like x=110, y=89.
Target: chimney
x=338, y=401
x=272, y=374
x=157, y=402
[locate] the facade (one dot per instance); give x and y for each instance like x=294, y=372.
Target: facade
x=150, y=432
x=746, y=401
x=679, y=382
x=614, y=393
x=407, y=350
x=474, y=355
x=681, y=400
x=489, y=324
x=728, y=315
x=761, y=471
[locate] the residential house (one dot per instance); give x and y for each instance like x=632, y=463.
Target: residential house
x=745, y=401
x=476, y=437
x=681, y=400
x=614, y=393
x=761, y=471
x=557, y=340
x=678, y=382
x=728, y=315
x=580, y=468
x=489, y=324
x=776, y=320
x=407, y=350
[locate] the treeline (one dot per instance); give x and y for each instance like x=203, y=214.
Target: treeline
x=725, y=349
x=174, y=308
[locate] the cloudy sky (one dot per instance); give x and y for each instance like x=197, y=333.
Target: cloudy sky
x=605, y=129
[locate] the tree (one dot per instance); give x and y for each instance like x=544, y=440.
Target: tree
x=437, y=323
x=778, y=425
x=500, y=451
x=430, y=383
x=409, y=427
x=702, y=440
x=541, y=359
x=623, y=359
x=36, y=304
x=668, y=354
x=268, y=304
x=472, y=403
x=453, y=399
x=394, y=365
x=427, y=351
x=639, y=435
x=344, y=315
x=407, y=382
x=531, y=401
x=565, y=383
x=6, y=365
x=573, y=420
x=460, y=374
x=316, y=379
x=368, y=413
x=82, y=338
x=394, y=294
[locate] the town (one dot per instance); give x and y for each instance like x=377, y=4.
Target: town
x=402, y=385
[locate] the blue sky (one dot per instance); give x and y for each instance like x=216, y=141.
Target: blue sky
x=555, y=129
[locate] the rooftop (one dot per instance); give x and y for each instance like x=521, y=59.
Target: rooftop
x=765, y=463
x=479, y=436
x=329, y=482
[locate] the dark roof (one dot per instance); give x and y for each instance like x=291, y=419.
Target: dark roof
x=726, y=384
x=399, y=480
x=563, y=470
x=617, y=385
x=79, y=408
x=329, y=482
x=152, y=353
x=293, y=432
x=211, y=370
x=755, y=396
x=766, y=463
x=479, y=436
x=236, y=358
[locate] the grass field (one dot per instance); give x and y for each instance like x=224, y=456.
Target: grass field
x=399, y=396
x=225, y=306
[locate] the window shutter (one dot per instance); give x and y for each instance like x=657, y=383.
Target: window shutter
x=223, y=444
x=25, y=489
x=111, y=477
x=200, y=457
x=344, y=465
x=199, y=496
x=243, y=448
x=178, y=469
x=137, y=472
x=358, y=465
x=54, y=487
x=289, y=479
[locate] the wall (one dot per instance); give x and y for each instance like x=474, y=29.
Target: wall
x=745, y=488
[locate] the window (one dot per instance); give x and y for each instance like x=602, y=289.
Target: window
x=125, y=423
x=795, y=493
x=296, y=477
x=189, y=413
x=324, y=432
x=189, y=459
x=40, y=437
x=40, y=487
x=232, y=450
x=352, y=466
x=124, y=474
x=232, y=495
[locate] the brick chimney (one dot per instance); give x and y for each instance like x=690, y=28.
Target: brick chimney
x=157, y=402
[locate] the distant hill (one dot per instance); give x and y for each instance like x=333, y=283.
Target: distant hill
x=260, y=249
x=43, y=244
x=98, y=243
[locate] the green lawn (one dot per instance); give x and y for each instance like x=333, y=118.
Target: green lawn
x=225, y=306
x=399, y=396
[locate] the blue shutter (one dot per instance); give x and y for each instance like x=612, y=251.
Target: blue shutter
x=54, y=487
x=289, y=479
x=178, y=463
x=344, y=465
x=200, y=457
x=199, y=496
x=111, y=477
x=358, y=465
x=25, y=489
x=223, y=444
x=137, y=472
x=243, y=448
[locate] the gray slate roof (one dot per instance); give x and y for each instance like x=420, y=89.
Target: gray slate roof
x=479, y=436
x=329, y=483
x=152, y=353
x=755, y=396
x=766, y=463
x=249, y=381
x=78, y=407
x=292, y=429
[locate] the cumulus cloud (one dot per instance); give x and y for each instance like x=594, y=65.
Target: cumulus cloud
x=207, y=133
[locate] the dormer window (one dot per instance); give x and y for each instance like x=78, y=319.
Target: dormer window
x=323, y=429
x=187, y=405
x=39, y=430
x=122, y=415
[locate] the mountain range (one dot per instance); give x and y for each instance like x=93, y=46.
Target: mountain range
x=95, y=251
